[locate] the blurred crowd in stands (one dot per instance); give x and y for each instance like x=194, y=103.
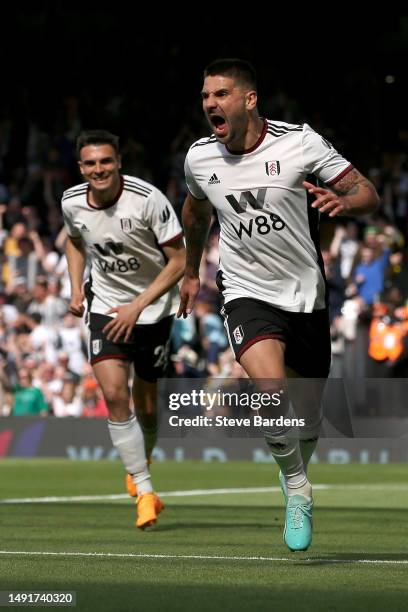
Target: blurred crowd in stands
x=43, y=365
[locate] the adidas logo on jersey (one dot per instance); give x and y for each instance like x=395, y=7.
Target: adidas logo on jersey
x=213, y=180
x=84, y=228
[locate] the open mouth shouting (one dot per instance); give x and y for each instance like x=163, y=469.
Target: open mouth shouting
x=219, y=125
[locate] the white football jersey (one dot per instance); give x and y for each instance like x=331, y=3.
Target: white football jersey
x=269, y=243
x=124, y=240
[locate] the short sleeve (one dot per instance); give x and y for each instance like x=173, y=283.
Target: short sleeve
x=321, y=158
x=161, y=218
x=73, y=231
x=192, y=184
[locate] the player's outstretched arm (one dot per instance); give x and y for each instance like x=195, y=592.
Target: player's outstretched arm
x=76, y=259
x=196, y=222
x=351, y=195
x=121, y=326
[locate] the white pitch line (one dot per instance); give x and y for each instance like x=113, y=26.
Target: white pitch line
x=294, y=559
x=199, y=492
x=190, y=493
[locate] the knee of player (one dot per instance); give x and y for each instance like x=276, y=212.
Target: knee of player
x=115, y=396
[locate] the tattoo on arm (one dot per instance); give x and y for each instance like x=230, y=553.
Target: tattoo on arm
x=358, y=195
x=348, y=184
x=352, y=183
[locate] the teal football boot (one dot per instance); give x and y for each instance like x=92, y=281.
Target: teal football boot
x=298, y=523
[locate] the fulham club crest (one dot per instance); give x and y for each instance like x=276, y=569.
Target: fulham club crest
x=272, y=167
x=126, y=225
x=96, y=346
x=238, y=334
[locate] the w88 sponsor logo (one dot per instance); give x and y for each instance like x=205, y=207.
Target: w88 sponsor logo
x=262, y=224
x=119, y=265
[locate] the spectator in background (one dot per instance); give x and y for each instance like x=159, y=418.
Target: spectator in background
x=209, y=267
x=11, y=214
x=186, y=363
x=94, y=404
x=46, y=301
x=212, y=334
x=47, y=380
x=27, y=263
x=335, y=284
x=69, y=403
x=63, y=370
x=20, y=296
x=38, y=305
x=345, y=246
x=18, y=231
x=7, y=310
x=27, y=399
x=11, y=250
x=71, y=340
x=183, y=332
x=32, y=219
x=33, y=363
x=56, y=306
x=42, y=339
x=370, y=273
x=5, y=390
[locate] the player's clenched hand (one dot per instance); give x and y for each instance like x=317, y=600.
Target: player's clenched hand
x=326, y=201
x=188, y=292
x=76, y=305
x=121, y=327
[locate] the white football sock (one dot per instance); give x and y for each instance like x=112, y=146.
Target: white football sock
x=286, y=453
x=127, y=438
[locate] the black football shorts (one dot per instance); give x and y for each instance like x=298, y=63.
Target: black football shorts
x=147, y=348
x=306, y=335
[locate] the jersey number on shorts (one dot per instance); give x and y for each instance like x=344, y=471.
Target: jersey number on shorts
x=162, y=353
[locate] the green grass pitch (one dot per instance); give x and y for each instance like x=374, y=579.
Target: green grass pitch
x=213, y=552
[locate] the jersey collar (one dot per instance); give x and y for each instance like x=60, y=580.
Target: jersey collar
x=108, y=204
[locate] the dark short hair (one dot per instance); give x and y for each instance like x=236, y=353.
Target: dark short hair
x=96, y=137
x=238, y=69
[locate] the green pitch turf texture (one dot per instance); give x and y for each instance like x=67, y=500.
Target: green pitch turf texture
x=361, y=516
